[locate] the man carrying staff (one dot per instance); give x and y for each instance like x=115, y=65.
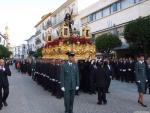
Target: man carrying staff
x=69, y=77
x=4, y=72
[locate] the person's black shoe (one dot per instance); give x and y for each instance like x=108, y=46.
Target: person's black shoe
x=71, y=112
x=77, y=94
x=1, y=106
x=5, y=103
x=90, y=93
x=99, y=103
x=143, y=105
x=105, y=103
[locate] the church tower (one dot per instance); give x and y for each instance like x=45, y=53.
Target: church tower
x=7, y=36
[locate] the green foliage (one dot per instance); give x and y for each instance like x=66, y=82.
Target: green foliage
x=4, y=52
x=37, y=53
x=107, y=42
x=31, y=53
x=137, y=33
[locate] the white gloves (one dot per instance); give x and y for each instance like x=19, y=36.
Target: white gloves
x=63, y=89
x=77, y=87
x=146, y=80
x=92, y=62
x=3, y=69
x=138, y=81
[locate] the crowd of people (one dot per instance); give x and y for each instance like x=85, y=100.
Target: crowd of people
x=89, y=76
x=46, y=72
x=24, y=66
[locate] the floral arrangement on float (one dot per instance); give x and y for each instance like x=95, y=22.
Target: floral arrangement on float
x=57, y=48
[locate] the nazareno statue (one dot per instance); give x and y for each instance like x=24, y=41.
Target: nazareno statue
x=68, y=21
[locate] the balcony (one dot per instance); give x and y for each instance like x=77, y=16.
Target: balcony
x=38, y=32
x=38, y=41
x=49, y=24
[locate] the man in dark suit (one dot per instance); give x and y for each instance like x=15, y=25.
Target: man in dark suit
x=4, y=72
x=101, y=83
x=92, y=89
x=124, y=70
x=69, y=78
x=109, y=73
x=130, y=70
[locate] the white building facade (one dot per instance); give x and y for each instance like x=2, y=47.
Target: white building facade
x=112, y=15
x=31, y=43
x=20, y=52
x=16, y=52
x=43, y=29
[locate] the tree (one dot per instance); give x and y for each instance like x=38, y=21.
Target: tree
x=38, y=53
x=4, y=52
x=31, y=53
x=137, y=34
x=107, y=42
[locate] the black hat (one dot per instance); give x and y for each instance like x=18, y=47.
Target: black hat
x=70, y=53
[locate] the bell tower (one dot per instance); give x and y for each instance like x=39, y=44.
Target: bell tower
x=6, y=34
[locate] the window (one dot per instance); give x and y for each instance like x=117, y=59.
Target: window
x=132, y=2
x=91, y=17
x=94, y=16
x=118, y=6
x=98, y=15
x=54, y=20
x=125, y=4
x=84, y=20
x=106, y=11
x=58, y=18
x=137, y=1
x=113, y=7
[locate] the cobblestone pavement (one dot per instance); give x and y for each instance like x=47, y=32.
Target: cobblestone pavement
x=28, y=97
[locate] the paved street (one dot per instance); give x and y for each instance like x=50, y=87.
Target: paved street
x=28, y=97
